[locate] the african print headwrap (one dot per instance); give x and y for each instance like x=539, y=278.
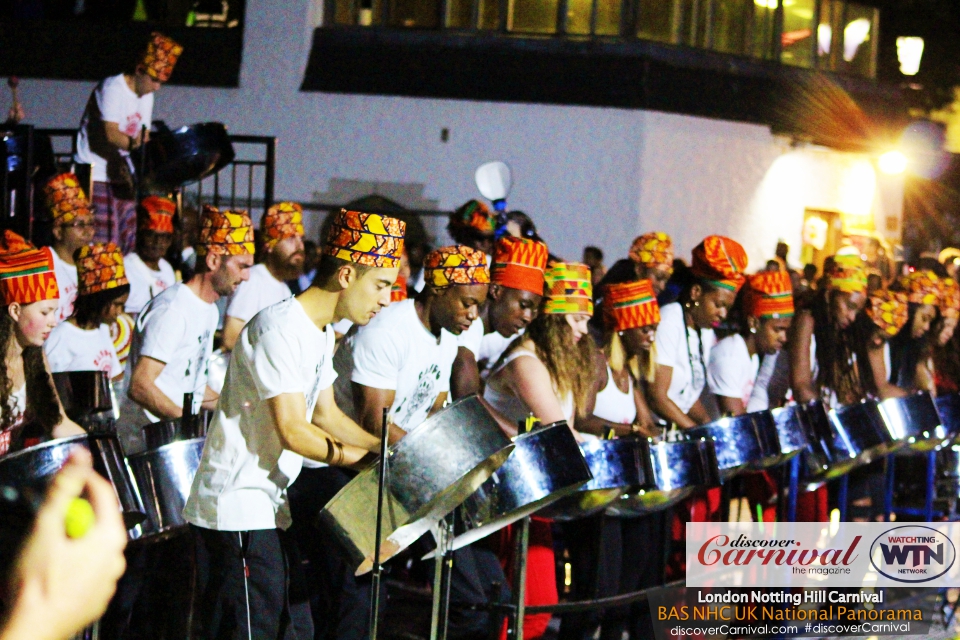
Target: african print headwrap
x=158, y=213
x=519, y=263
x=888, y=310
x=366, y=238
x=26, y=273
x=99, y=267
x=226, y=233
x=121, y=332
x=950, y=301
x=568, y=288
x=769, y=294
x=281, y=221
x=161, y=56
x=65, y=198
x=475, y=215
x=922, y=287
x=720, y=262
x=849, y=274
x=398, y=292
x=629, y=305
x=653, y=250
x=458, y=264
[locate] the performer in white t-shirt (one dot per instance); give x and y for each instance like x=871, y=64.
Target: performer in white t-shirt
x=72, y=229
x=402, y=360
x=766, y=311
x=112, y=126
x=82, y=342
x=685, y=335
x=282, y=261
x=148, y=271
x=513, y=302
x=277, y=409
x=174, y=332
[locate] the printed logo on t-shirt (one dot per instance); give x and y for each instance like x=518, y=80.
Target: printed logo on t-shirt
x=68, y=294
x=132, y=127
x=102, y=361
x=423, y=394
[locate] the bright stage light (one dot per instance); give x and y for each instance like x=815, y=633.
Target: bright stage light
x=909, y=53
x=892, y=162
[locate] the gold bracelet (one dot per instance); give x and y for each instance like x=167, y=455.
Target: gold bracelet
x=328, y=459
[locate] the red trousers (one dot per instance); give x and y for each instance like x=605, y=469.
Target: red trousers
x=541, y=573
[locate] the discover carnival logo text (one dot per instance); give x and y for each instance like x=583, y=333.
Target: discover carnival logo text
x=848, y=554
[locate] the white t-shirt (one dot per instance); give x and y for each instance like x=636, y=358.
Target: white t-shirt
x=145, y=283
x=687, y=382
x=256, y=294
x=67, y=280
x=486, y=347
x=732, y=370
x=395, y=351
x=112, y=101
x=177, y=328
x=70, y=348
x=242, y=481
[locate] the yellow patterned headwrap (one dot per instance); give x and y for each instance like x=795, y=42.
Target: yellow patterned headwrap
x=281, y=221
x=922, y=287
x=950, y=302
x=99, y=267
x=849, y=274
x=65, y=199
x=888, y=310
x=366, y=238
x=227, y=233
x=458, y=264
x=653, y=250
x=568, y=288
x=161, y=56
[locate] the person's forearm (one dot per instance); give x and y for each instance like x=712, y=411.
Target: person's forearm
x=348, y=432
x=669, y=411
x=231, y=331
x=731, y=406
x=598, y=426
x=698, y=413
x=155, y=401
x=465, y=379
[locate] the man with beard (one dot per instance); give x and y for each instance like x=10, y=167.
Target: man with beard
x=283, y=245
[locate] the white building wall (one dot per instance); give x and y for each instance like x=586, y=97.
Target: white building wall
x=586, y=175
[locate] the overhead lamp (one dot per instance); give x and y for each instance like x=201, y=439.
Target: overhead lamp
x=854, y=35
x=824, y=38
x=772, y=4
x=892, y=162
x=909, y=53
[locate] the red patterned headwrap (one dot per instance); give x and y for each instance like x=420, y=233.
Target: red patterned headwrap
x=950, y=302
x=26, y=273
x=653, y=250
x=398, y=292
x=99, y=267
x=519, y=263
x=284, y=220
x=161, y=56
x=65, y=199
x=475, y=216
x=769, y=294
x=888, y=310
x=158, y=213
x=629, y=305
x=720, y=262
x=922, y=287
x=458, y=264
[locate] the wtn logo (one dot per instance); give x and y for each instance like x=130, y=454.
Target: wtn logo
x=912, y=553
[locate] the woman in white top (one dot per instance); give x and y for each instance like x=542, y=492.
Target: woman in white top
x=28, y=288
x=83, y=342
x=685, y=335
x=766, y=309
x=548, y=372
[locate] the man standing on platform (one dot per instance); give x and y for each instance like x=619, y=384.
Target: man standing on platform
x=173, y=339
x=148, y=271
x=278, y=409
x=283, y=245
x=72, y=229
x=513, y=302
x=112, y=126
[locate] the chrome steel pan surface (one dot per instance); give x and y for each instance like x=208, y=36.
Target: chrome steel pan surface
x=164, y=477
x=741, y=442
x=791, y=436
x=914, y=423
x=432, y=470
x=948, y=406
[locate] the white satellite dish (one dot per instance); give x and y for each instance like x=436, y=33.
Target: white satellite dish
x=493, y=181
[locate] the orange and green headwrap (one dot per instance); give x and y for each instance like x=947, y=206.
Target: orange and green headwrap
x=653, y=250
x=888, y=310
x=26, y=273
x=849, y=274
x=629, y=305
x=922, y=287
x=158, y=213
x=769, y=294
x=225, y=233
x=519, y=263
x=950, y=301
x=99, y=267
x=281, y=221
x=474, y=215
x=366, y=238
x=720, y=262
x=398, y=292
x=161, y=56
x=458, y=264
x=568, y=288
x=65, y=198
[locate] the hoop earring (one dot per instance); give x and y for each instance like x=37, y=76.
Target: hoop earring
x=696, y=304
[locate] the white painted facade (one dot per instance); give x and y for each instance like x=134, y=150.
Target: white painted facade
x=586, y=175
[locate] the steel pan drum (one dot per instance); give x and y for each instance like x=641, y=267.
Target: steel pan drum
x=914, y=423
x=546, y=465
x=678, y=470
x=83, y=393
x=165, y=476
x=432, y=470
x=616, y=467
x=188, y=154
x=741, y=442
x=159, y=434
x=791, y=436
x=33, y=467
x=948, y=406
